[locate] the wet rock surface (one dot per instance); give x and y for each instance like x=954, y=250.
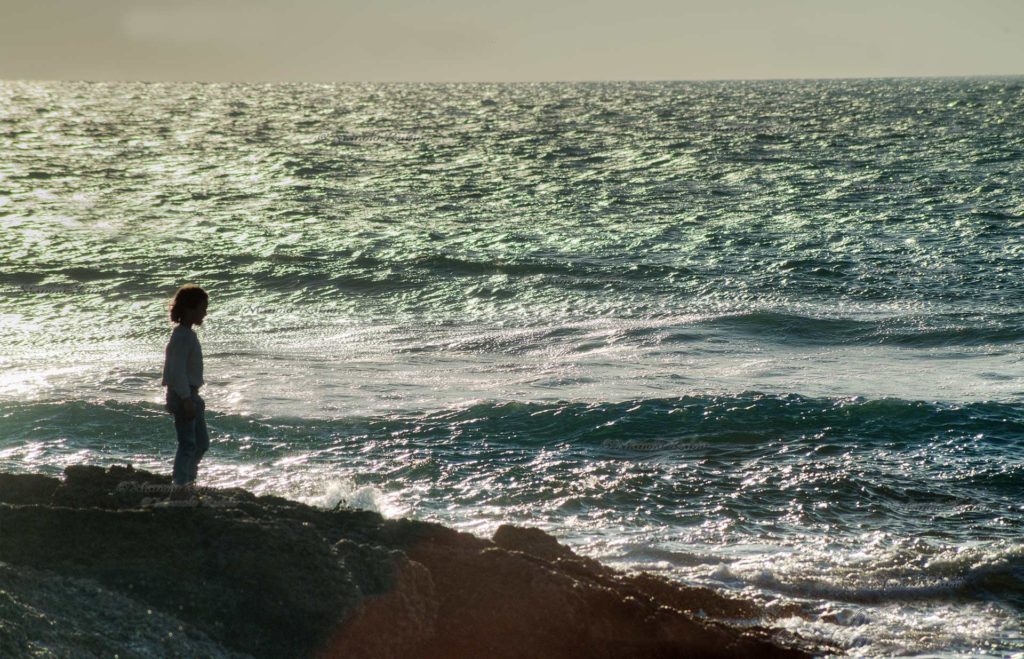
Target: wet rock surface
x=44, y=615
x=269, y=577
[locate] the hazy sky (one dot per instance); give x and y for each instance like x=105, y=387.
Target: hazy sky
x=514, y=40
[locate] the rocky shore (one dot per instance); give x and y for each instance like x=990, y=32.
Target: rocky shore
x=100, y=563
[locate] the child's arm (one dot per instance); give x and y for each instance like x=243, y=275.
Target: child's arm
x=175, y=366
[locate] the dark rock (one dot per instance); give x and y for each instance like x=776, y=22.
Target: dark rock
x=271, y=577
x=683, y=598
x=27, y=488
x=531, y=541
x=44, y=614
x=114, y=487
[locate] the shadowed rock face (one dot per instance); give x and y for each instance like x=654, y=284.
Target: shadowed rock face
x=269, y=577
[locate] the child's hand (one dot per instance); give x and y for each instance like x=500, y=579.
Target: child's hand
x=190, y=408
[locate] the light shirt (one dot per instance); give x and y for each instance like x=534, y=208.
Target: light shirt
x=183, y=361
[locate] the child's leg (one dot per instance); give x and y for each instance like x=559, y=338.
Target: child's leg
x=186, y=431
x=201, y=435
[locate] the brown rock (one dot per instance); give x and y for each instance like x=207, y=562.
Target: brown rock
x=272, y=578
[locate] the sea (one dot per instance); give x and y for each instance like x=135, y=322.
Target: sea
x=761, y=336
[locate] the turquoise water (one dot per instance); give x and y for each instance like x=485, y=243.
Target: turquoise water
x=764, y=336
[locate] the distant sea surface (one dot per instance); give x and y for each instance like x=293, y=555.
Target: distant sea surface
x=761, y=336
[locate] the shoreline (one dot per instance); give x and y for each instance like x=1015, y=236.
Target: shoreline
x=264, y=576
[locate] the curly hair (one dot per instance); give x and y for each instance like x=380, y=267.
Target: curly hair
x=188, y=296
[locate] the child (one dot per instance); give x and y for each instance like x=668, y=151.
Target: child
x=183, y=375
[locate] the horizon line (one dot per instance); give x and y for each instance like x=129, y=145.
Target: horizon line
x=523, y=82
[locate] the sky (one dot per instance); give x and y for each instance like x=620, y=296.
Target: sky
x=491, y=41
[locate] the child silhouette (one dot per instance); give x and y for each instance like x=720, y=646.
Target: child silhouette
x=183, y=375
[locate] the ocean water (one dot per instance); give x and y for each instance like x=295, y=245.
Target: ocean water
x=761, y=336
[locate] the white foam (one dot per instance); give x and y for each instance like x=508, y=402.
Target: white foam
x=344, y=493
x=887, y=596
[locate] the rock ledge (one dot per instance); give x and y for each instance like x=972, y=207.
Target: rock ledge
x=269, y=577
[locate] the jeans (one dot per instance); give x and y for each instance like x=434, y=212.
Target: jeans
x=193, y=438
